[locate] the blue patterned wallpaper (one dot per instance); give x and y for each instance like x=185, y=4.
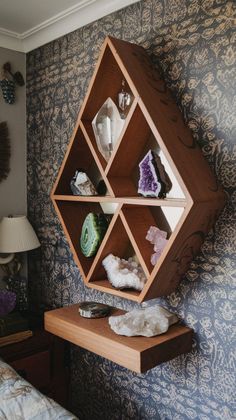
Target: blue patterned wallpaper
x=193, y=45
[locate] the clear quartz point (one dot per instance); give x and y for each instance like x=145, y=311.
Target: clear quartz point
x=107, y=126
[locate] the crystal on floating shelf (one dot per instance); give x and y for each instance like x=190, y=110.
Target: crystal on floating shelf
x=107, y=126
x=147, y=322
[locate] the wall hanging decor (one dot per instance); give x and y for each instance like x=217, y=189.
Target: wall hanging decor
x=5, y=151
x=154, y=134
x=8, y=83
x=8, y=89
x=155, y=175
x=17, y=76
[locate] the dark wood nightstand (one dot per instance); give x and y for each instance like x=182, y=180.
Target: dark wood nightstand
x=40, y=359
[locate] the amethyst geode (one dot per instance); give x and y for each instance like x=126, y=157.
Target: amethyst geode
x=153, y=181
x=7, y=302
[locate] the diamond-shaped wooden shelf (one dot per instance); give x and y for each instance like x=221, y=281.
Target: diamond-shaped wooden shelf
x=153, y=122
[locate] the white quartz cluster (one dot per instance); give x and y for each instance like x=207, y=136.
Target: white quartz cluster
x=122, y=273
x=148, y=322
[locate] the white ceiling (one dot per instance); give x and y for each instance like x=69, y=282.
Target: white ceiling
x=28, y=24
x=20, y=16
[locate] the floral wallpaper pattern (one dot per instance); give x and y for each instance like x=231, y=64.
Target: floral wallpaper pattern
x=193, y=44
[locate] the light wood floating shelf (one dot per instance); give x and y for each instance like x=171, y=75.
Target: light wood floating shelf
x=138, y=354
x=167, y=202
x=153, y=122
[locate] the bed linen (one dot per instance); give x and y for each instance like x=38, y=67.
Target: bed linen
x=19, y=400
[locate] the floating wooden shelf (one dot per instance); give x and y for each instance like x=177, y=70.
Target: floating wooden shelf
x=135, y=353
x=153, y=122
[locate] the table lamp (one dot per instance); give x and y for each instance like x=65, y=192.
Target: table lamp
x=16, y=236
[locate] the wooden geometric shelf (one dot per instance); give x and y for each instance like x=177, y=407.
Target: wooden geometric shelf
x=135, y=353
x=153, y=122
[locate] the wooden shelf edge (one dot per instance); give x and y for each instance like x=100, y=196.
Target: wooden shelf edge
x=105, y=287
x=135, y=353
x=142, y=201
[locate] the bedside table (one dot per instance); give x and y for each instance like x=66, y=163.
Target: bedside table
x=40, y=360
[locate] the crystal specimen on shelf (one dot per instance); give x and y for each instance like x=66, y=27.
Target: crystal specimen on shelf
x=124, y=274
x=148, y=322
x=93, y=231
x=81, y=184
x=107, y=125
x=157, y=237
x=94, y=309
x=124, y=100
x=7, y=302
x=153, y=181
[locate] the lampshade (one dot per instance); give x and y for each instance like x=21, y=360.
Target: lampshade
x=17, y=235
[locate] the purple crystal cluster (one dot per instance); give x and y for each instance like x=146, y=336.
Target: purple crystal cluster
x=7, y=302
x=157, y=237
x=153, y=180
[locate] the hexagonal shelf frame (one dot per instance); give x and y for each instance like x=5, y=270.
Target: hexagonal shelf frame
x=155, y=121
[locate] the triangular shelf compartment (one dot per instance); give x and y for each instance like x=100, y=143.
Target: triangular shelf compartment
x=139, y=218
x=123, y=168
x=72, y=215
x=106, y=83
x=120, y=245
x=80, y=155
